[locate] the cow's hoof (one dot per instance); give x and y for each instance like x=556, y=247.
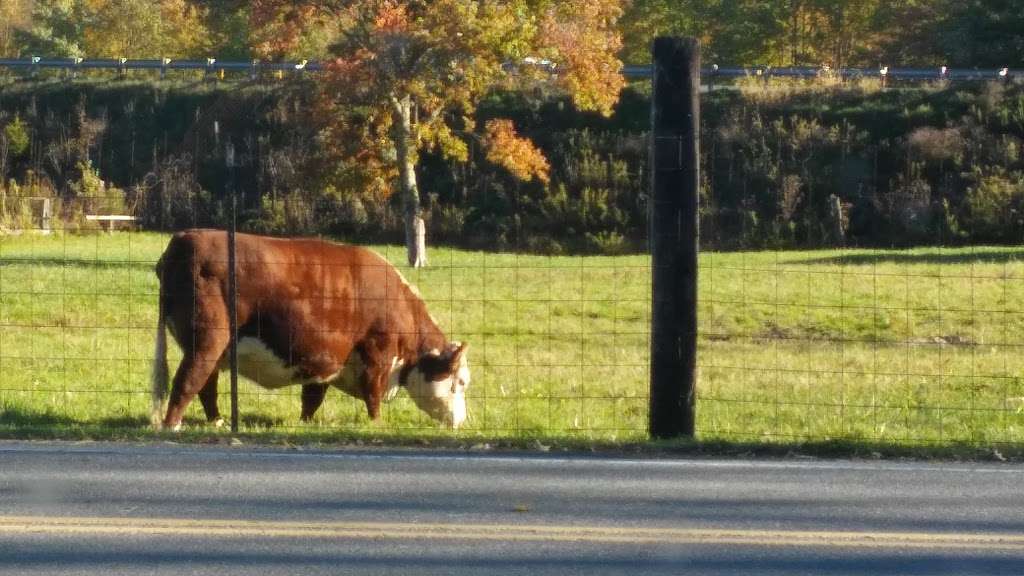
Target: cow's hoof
x=176, y=427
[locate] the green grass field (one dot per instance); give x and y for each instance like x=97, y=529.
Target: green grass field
x=902, y=347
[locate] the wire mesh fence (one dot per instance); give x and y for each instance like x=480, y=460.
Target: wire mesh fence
x=861, y=273
x=888, y=345
x=558, y=344
x=859, y=278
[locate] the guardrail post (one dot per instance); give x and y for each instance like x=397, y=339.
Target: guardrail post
x=675, y=179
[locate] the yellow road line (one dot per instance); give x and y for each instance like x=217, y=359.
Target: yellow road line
x=503, y=532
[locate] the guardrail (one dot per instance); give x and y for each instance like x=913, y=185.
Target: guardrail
x=212, y=65
x=255, y=67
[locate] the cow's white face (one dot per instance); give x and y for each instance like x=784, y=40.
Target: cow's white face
x=438, y=384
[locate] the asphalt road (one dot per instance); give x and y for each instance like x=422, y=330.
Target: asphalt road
x=169, y=509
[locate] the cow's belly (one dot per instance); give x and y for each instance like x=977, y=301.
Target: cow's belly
x=257, y=362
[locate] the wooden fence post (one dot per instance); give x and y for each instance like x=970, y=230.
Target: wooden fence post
x=46, y=216
x=675, y=181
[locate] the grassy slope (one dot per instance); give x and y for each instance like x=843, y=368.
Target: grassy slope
x=894, y=346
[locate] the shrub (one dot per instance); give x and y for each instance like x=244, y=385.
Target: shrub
x=17, y=136
x=936, y=144
x=995, y=205
x=609, y=243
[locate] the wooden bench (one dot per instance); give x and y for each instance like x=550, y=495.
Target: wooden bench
x=109, y=219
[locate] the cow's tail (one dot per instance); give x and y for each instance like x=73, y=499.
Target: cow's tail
x=160, y=374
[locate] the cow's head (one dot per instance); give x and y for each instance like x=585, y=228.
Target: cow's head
x=437, y=383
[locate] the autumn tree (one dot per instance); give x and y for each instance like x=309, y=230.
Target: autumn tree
x=15, y=15
x=143, y=29
x=407, y=75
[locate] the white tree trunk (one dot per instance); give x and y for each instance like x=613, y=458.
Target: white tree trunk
x=416, y=241
x=415, y=227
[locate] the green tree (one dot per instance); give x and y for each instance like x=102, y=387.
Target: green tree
x=731, y=31
x=227, y=24
x=14, y=141
x=985, y=33
x=910, y=32
x=645, y=20
x=54, y=30
x=817, y=32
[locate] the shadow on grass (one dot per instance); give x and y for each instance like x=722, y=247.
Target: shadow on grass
x=28, y=423
x=59, y=262
x=257, y=430
x=16, y=417
x=260, y=421
x=987, y=255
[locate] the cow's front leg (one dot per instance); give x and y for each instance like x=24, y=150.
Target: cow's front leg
x=208, y=396
x=374, y=384
x=312, y=398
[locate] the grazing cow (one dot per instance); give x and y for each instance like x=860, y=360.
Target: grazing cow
x=309, y=312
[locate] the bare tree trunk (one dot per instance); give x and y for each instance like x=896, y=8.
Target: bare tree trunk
x=839, y=58
x=415, y=227
x=794, y=33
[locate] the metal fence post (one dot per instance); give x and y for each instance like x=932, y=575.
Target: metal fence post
x=229, y=159
x=675, y=180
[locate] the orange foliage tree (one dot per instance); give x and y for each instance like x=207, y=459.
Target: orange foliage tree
x=408, y=74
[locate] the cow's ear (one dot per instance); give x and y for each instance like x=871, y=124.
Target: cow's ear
x=458, y=353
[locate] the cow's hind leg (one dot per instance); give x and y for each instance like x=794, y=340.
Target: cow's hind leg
x=208, y=396
x=312, y=398
x=193, y=373
x=202, y=354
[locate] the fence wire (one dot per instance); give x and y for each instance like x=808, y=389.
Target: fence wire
x=915, y=345
x=861, y=276
x=558, y=344
x=855, y=283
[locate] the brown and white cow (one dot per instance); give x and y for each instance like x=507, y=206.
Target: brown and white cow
x=309, y=312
